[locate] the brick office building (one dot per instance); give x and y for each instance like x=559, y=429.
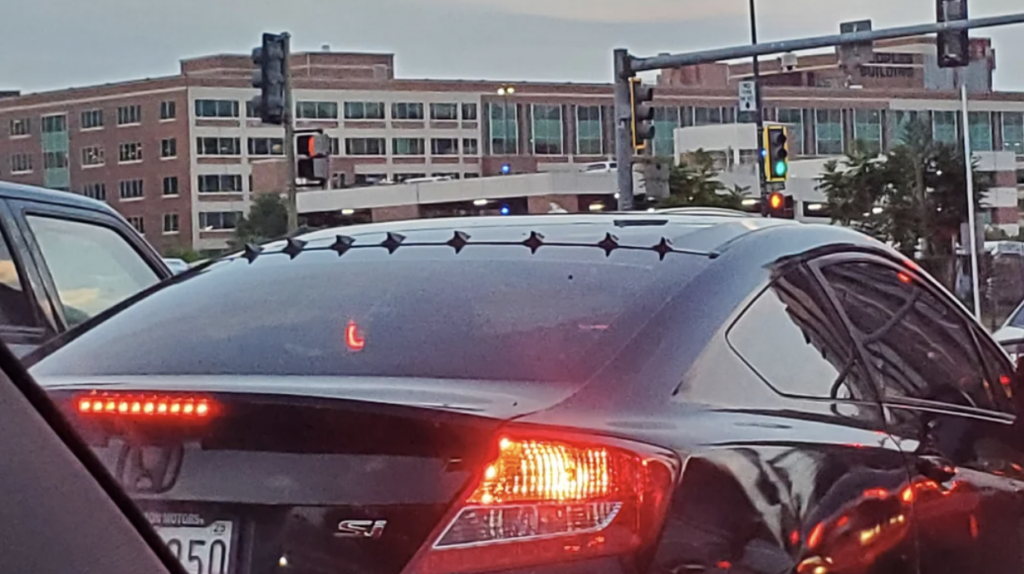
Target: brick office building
x=176, y=155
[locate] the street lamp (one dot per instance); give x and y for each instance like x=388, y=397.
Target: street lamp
x=506, y=91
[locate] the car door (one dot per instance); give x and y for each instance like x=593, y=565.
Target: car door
x=89, y=261
x=948, y=400
x=24, y=319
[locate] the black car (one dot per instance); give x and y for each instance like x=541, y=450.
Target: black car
x=618, y=393
x=64, y=258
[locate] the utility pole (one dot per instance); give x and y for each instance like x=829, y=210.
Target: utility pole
x=289, y=138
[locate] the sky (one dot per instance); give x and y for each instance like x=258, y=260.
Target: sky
x=52, y=44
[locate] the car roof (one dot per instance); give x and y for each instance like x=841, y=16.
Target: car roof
x=10, y=190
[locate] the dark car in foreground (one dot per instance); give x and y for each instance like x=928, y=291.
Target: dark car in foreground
x=597, y=394
x=64, y=258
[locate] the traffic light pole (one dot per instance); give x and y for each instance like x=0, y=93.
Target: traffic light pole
x=759, y=111
x=289, y=139
x=627, y=65
x=623, y=135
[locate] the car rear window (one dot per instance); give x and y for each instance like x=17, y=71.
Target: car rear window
x=489, y=313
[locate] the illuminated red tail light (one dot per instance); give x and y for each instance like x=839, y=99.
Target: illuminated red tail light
x=120, y=405
x=552, y=498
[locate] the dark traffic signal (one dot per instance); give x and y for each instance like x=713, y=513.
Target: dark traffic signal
x=641, y=113
x=775, y=152
x=953, y=47
x=270, y=76
x=313, y=161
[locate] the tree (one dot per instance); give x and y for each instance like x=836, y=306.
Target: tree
x=267, y=219
x=695, y=183
x=912, y=197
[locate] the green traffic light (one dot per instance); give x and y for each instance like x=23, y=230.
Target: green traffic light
x=780, y=168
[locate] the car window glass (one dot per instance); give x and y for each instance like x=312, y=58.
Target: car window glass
x=15, y=307
x=919, y=343
x=93, y=267
x=999, y=372
x=792, y=339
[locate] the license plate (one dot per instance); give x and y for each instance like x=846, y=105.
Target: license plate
x=201, y=549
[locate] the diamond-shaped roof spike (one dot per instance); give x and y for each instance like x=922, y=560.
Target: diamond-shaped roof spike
x=663, y=248
x=609, y=243
x=534, y=241
x=342, y=243
x=392, y=241
x=251, y=252
x=294, y=247
x=458, y=241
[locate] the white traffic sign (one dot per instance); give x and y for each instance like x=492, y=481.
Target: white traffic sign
x=748, y=97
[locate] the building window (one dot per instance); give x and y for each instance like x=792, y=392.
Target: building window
x=138, y=222
x=130, y=151
x=219, y=220
x=335, y=146
x=470, y=146
x=317, y=110
x=216, y=108
x=708, y=116
x=170, y=187
x=504, y=124
x=408, y=146
x=131, y=189
x=21, y=163
x=406, y=111
x=266, y=146
x=220, y=183
x=171, y=223
x=364, y=110
x=867, y=129
x=92, y=119
x=219, y=146
x=21, y=127
x=93, y=156
x=364, y=146
x=794, y=119
x=666, y=120
x=944, y=127
x=547, y=129
x=54, y=124
x=1013, y=132
x=589, y=131
x=55, y=160
x=95, y=191
x=981, y=130
x=168, y=148
x=128, y=115
x=444, y=146
x=444, y=111
x=900, y=121
x=251, y=111
x=469, y=112
x=168, y=110
x=828, y=132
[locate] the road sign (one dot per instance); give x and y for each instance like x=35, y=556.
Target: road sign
x=748, y=97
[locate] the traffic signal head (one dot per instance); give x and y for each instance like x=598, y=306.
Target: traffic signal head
x=641, y=113
x=775, y=153
x=779, y=205
x=953, y=47
x=269, y=77
x=313, y=163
